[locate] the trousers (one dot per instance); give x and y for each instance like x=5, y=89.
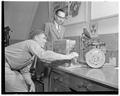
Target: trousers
x=14, y=81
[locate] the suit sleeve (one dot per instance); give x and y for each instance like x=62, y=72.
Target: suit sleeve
x=47, y=30
x=48, y=35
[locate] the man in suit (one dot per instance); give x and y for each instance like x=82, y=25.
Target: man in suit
x=54, y=30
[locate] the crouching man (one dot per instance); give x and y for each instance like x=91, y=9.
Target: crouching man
x=19, y=57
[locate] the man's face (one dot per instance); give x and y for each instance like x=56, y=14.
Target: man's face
x=60, y=17
x=41, y=38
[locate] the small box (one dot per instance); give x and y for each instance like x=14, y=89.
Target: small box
x=63, y=46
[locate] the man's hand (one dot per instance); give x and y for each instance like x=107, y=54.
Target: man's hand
x=32, y=87
x=73, y=55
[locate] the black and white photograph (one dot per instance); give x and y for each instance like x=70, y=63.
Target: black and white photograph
x=60, y=47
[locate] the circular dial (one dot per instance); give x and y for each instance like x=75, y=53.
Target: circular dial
x=95, y=58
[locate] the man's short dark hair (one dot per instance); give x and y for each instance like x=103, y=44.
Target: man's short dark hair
x=56, y=12
x=35, y=32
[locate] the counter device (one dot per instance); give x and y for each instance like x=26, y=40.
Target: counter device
x=63, y=46
x=94, y=50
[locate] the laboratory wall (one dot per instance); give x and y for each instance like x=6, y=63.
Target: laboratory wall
x=107, y=31
x=41, y=15
x=19, y=16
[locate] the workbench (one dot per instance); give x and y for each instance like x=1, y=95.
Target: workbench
x=83, y=79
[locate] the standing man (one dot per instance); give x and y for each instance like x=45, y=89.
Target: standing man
x=54, y=30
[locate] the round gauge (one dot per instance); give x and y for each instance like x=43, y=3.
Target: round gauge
x=95, y=58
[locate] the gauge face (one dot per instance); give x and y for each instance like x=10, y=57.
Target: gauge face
x=95, y=58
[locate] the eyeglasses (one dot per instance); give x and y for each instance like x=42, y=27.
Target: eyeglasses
x=60, y=16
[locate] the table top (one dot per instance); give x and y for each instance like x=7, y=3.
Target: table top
x=107, y=75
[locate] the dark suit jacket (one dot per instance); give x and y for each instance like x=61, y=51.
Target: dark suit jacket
x=52, y=33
